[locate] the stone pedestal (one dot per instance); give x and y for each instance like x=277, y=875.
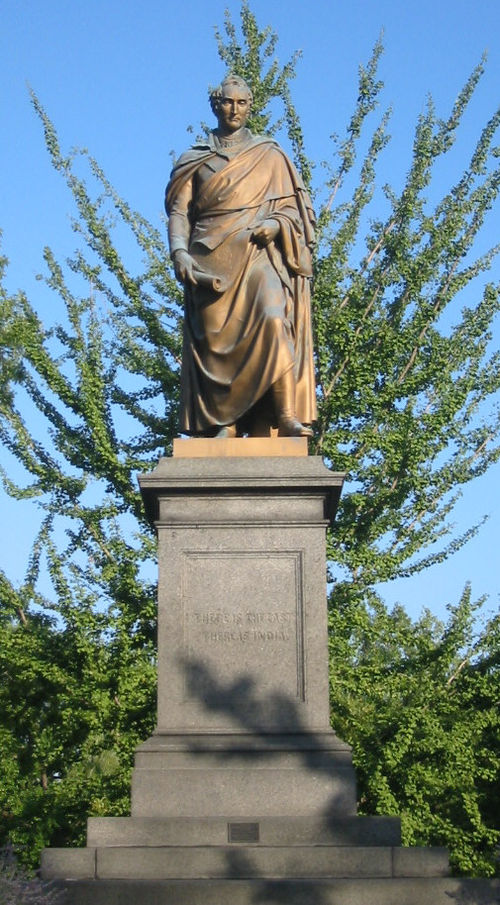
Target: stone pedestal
x=244, y=794
x=243, y=716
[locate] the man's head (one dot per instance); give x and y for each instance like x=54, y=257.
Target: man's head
x=231, y=102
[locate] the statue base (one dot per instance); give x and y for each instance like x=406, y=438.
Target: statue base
x=244, y=794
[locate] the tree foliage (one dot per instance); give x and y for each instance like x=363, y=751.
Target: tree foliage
x=419, y=704
x=406, y=381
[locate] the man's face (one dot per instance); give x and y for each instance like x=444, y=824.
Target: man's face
x=233, y=109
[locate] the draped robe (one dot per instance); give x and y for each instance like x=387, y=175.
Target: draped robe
x=247, y=320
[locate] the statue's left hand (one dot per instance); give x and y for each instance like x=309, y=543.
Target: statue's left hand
x=266, y=232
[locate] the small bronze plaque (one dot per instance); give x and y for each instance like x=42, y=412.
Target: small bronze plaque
x=243, y=832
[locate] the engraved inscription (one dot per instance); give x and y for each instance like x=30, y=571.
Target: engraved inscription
x=244, y=637
x=243, y=627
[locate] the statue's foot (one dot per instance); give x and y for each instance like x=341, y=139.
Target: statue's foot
x=290, y=427
x=226, y=432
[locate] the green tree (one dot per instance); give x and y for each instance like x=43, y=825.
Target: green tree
x=419, y=704
x=89, y=400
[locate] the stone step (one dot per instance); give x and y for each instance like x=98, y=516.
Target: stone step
x=104, y=831
x=395, y=891
x=188, y=785
x=244, y=861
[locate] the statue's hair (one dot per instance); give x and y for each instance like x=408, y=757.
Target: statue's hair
x=218, y=92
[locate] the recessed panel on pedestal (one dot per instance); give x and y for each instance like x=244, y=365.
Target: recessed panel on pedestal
x=243, y=615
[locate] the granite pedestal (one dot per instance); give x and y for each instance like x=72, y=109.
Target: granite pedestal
x=244, y=794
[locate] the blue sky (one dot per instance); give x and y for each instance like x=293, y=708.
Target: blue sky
x=126, y=78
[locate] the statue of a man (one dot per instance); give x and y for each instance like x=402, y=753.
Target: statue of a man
x=241, y=228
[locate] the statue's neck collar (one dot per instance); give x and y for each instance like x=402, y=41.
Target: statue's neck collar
x=227, y=143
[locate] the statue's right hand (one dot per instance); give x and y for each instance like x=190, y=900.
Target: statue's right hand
x=184, y=267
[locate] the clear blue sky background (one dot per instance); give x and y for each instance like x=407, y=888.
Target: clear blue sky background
x=125, y=78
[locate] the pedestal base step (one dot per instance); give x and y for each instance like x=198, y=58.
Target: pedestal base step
x=243, y=862
x=138, y=831
x=395, y=891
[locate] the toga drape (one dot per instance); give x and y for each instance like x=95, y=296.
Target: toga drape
x=248, y=320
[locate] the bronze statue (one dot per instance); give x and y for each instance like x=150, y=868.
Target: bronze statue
x=241, y=227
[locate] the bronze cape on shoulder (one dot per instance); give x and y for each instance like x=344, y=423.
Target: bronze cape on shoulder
x=248, y=319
